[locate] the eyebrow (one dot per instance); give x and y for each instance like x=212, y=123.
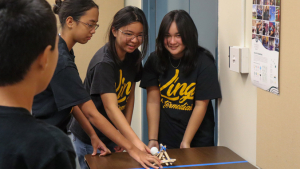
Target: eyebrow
x=177, y=33
x=131, y=31
x=93, y=21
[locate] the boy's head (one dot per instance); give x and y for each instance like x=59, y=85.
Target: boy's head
x=28, y=41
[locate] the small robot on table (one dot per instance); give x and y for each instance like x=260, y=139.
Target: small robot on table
x=162, y=155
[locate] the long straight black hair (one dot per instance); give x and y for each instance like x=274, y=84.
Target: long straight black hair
x=189, y=35
x=123, y=17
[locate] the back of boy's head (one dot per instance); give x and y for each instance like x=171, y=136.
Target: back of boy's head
x=27, y=27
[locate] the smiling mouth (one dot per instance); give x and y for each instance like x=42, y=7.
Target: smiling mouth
x=131, y=46
x=173, y=47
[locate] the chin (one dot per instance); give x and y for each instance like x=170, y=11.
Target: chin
x=130, y=50
x=83, y=42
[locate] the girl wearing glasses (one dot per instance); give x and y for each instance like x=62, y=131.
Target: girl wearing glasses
x=113, y=72
x=181, y=79
x=66, y=94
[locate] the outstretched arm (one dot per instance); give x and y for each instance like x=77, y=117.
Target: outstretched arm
x=110, y=103
x=100, y=122
x=87, y=127
x=194, y=122
x=129, y=105
x=153, y=113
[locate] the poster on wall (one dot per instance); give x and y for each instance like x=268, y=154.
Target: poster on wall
x=265, y=44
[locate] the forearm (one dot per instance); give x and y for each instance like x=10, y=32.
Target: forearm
x=153, y=111
x=195, y=121
x=153, y=115
x=119, y=120
x=102, y=124
x=129, y=105
x=83, y=121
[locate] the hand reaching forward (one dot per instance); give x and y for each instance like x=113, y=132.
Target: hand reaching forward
x=99, y=145
x=145, y=159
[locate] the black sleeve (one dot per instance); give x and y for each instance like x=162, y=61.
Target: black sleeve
x=68, y=89
x=64, y=160
x=138, y=76
x=150, y=76
x=103, y=79
x=207, y=86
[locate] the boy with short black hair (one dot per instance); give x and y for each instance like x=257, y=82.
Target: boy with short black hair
x=28, y=57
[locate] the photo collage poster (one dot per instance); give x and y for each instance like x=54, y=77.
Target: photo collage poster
x=265, y=44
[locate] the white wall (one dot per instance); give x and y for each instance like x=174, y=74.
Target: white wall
x=137, y=3
x=238, y=107
x=136, y=122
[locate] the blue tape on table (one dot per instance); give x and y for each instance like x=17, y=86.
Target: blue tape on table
x=196, y=165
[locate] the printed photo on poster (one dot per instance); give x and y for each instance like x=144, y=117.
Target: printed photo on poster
x=265, y=44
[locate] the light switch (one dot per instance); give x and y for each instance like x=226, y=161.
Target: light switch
x=234, y=59
x=239, y=59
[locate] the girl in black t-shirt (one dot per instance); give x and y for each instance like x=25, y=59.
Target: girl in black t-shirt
x=111, y=76
x=181, y=79
x=66, y=92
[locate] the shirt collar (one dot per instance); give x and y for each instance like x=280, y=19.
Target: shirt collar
x=62, y=45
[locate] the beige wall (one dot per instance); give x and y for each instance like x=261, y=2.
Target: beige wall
x=237, y=109
x=84, y=53
x=278, y=117
x=136, y=122
x=274, y=142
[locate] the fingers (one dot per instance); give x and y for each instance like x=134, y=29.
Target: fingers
x=157, y=161
x=149, y=160
x=118, y=149
x=103, y=153
x=154, y=160
x=144, y=165
x=150, y=165
x=147, y=150
x=94, y=151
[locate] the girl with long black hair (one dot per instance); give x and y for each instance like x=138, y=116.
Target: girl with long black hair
x=181, y=79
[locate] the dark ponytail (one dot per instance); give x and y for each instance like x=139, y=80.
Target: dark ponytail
x=56, y=7
x=73, y=8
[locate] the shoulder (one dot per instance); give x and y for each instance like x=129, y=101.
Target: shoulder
x=64, y=60
x=153, y=58
x=102, y=56
x=204, y=58
x=52, y=137
x=49, y=144
x=38, y=142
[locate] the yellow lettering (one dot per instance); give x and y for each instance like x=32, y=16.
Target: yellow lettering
x=186, y=91
x=119, y=81
x=123, y=87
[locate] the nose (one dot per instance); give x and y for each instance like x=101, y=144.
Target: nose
x=134, y=39
x=172, y=40
x=93, y=31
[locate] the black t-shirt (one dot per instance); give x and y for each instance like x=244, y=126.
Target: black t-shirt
x=178, y=95
x=104, y=75
x=64, y=91
x=30, y=143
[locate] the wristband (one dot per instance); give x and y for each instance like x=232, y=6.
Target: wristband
x=152, y=139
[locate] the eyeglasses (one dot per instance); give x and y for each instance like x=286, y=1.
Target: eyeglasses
x=91, y=26
x=131, y=36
